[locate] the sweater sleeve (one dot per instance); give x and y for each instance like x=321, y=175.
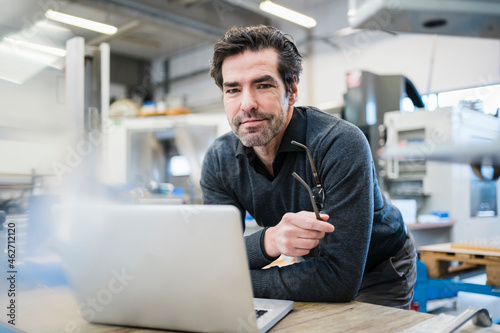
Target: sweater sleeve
x=332, y=271
x=257, y=258
x=216, y=193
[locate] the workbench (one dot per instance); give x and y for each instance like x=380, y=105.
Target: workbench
x=51, y=310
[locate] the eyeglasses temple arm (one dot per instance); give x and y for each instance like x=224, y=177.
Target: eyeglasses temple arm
x=316, y=211
x=315, y=173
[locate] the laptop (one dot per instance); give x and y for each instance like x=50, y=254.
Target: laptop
x=174, y=267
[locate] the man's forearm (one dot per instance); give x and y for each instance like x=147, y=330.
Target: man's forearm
x=313, y=280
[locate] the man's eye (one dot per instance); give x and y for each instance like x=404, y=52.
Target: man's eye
x=265, y=86
x=232, y=91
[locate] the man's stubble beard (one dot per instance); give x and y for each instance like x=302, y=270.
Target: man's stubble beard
x=253, y=138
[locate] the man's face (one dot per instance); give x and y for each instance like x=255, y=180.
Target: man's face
x=257, y=105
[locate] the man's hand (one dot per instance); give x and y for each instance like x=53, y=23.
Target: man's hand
x=296, y=234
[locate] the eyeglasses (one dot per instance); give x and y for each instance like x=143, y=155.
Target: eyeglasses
x=316, y=194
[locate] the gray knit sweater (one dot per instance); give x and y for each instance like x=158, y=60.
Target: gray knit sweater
x=368, y=229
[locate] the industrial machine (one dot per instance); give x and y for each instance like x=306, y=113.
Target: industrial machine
x=369, y=96
x=466, y=197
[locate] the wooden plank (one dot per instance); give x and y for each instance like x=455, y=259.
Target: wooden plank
x=493, y=275
x=446, y=247
x=482, y=244
x=435, y=268
x=347, y=317
x=437, y=324
x=477, y=259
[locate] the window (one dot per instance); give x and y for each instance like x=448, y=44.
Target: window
x=484, y=99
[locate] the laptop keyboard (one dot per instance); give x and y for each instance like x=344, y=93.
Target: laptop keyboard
x=259, y=313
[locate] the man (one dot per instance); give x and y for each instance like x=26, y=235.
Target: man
x=359, y=248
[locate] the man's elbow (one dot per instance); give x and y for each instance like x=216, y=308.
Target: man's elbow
x=346, y=293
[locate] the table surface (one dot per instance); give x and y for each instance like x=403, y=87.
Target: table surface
x=55, y=310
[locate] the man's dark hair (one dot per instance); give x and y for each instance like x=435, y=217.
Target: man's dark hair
x=256, y=38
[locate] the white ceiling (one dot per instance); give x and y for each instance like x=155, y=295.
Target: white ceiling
x=147, y=28
x=154, y=28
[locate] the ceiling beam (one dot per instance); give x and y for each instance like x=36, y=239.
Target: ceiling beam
x=121, y=30
x=171, y=19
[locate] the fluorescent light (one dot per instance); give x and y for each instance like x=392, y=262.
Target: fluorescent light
x=80, y=22
x=23, y=62
x=37, y=47
x=287, y=14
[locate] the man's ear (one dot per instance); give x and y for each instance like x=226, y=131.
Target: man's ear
x=293, y=92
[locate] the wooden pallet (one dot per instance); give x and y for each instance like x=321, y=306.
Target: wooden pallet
x=441, y=261
x=486, y=244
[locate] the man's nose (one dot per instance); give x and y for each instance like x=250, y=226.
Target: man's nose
x=248, y=101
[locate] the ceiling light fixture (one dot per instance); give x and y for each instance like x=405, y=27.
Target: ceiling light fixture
x=80, y=22
x=287, y=14
x=37, y=47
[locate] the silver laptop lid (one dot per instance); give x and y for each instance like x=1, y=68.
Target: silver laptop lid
x=171, y=267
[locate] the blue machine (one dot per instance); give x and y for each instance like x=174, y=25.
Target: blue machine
x=429, y=289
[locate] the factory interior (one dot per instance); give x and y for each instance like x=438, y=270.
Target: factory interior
x=128, y=112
